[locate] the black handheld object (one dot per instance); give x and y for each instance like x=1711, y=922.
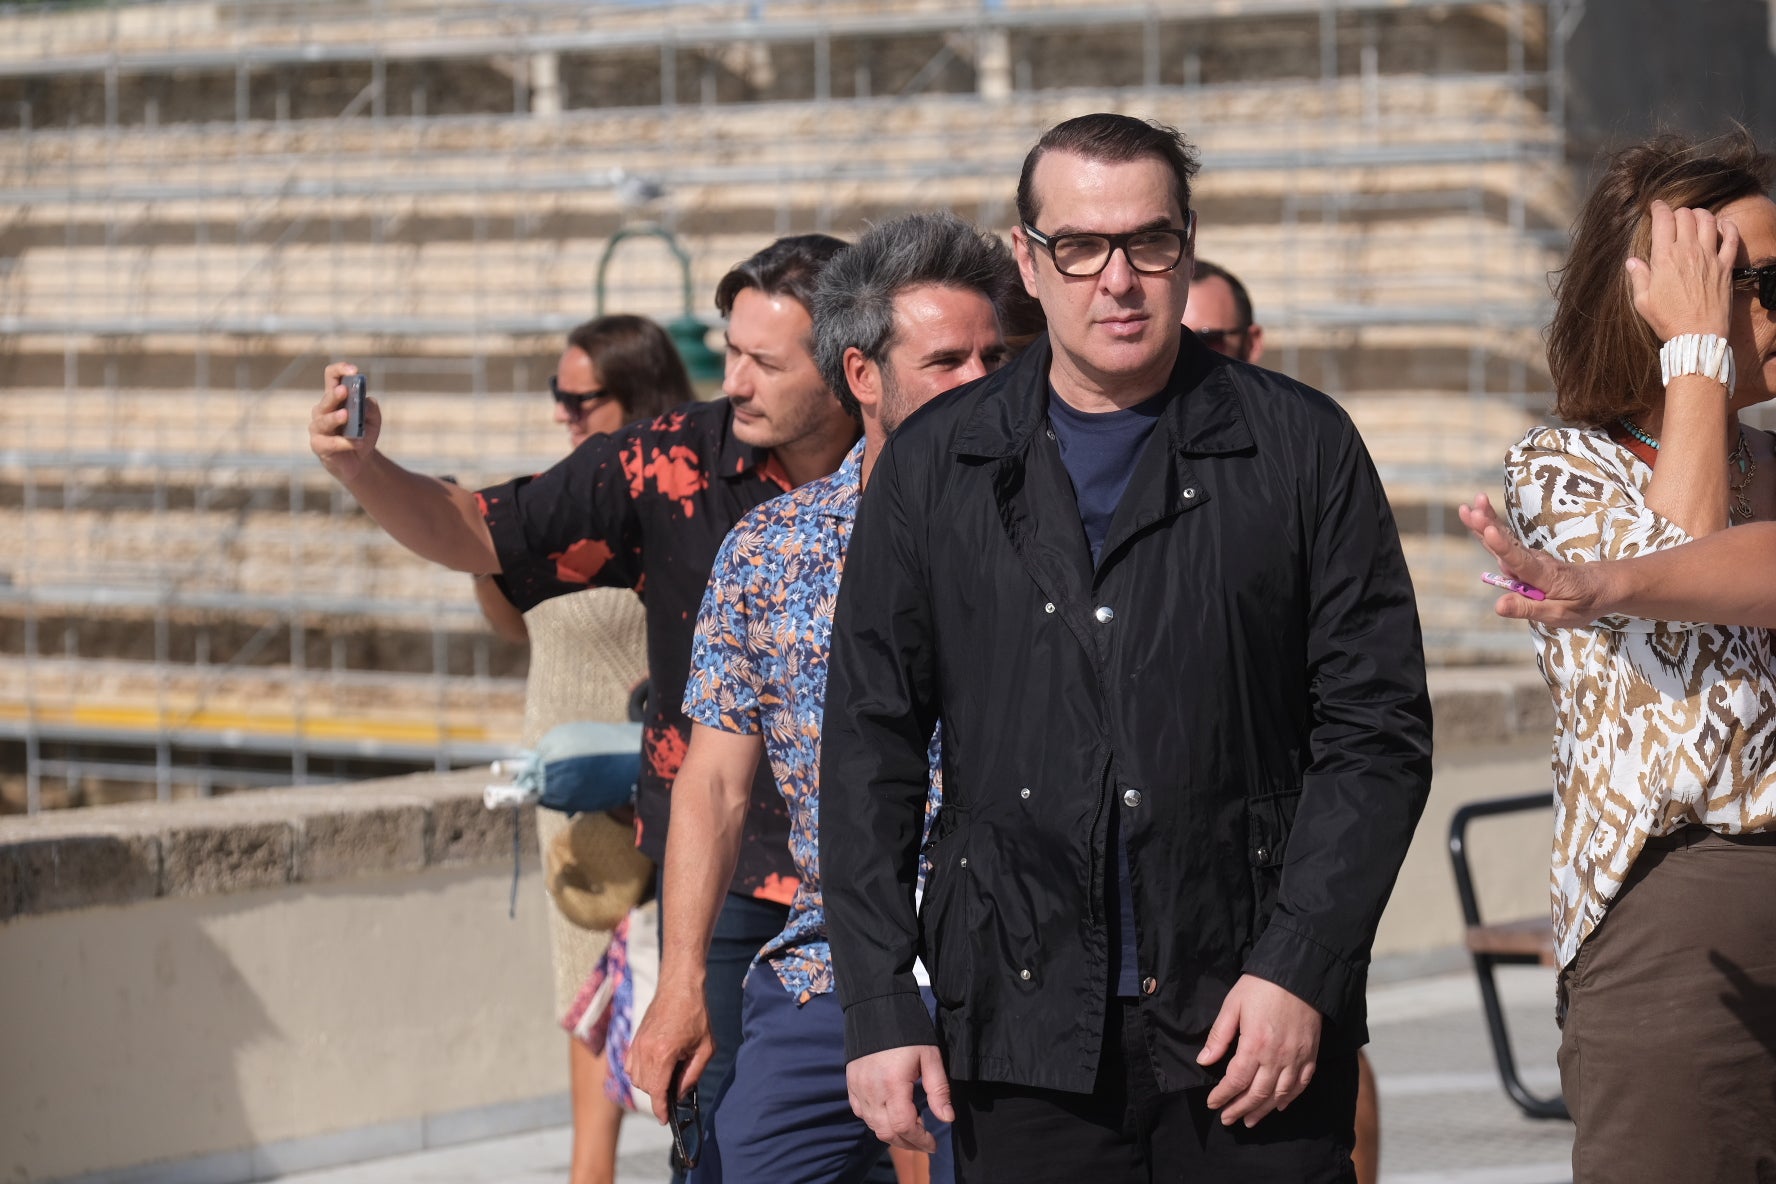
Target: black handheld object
x=355, y=388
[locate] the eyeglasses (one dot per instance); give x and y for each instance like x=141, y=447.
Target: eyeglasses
x=574, y=401
x=1147, y=251
x=685, y=1117
x=1222, y=340
x=1761, y=280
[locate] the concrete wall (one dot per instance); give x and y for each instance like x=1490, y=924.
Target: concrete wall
x=275, y=981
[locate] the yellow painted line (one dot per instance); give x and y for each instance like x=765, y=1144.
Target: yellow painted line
x=150, y=721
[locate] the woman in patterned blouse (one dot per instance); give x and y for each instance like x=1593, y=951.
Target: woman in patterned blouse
x=1664, y=870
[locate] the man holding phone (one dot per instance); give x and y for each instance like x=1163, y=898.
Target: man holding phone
x=647, y=507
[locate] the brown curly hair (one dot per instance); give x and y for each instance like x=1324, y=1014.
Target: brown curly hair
x=1603, y=357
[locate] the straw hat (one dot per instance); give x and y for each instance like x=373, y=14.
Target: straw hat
x=587, y=649
x=594, y=872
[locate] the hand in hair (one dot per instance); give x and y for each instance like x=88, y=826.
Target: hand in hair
x=1686, y=283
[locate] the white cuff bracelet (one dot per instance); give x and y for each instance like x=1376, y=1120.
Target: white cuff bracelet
x=1706, y=354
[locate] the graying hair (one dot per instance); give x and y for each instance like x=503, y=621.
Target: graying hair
x=854, y=301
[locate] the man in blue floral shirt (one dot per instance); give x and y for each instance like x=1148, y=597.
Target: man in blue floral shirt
x=906, y=313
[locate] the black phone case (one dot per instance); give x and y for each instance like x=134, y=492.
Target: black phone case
x=354, y=407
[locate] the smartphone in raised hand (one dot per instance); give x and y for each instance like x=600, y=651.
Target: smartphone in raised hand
x=356, y=392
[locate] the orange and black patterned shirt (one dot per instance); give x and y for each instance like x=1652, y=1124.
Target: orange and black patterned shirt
x=647, y=508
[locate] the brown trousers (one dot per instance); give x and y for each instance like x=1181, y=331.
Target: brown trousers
x=1668, y=1051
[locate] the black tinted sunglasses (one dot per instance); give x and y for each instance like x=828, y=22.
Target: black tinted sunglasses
x=685, y=1117
x=1761, y=280
x=574, y=401
x=1219, y=339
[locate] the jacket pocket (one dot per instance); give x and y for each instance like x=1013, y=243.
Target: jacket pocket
x=944, y=911
x=1269, y=819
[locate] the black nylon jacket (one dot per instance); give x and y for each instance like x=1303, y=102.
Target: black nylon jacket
x=1242, y=677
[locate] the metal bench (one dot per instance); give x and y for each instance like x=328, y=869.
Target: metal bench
x=1524, y=941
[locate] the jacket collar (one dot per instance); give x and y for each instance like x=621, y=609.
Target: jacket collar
x=1034, y=493
x=1204, y=417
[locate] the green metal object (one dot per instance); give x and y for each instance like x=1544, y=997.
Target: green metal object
x=688, y=333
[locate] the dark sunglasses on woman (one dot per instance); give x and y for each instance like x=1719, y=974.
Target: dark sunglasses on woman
x=574, y=401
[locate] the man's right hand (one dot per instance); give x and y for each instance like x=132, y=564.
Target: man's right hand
x=881, y=1089
x=326, y=427
x=675, y=1031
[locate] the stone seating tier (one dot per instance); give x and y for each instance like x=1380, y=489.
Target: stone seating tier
x=1435, y=262
x=730, y=51
x=1267, y=115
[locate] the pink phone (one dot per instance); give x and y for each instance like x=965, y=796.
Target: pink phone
x=1510, y=585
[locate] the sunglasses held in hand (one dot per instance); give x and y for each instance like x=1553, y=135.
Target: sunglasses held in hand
x=685, y=1117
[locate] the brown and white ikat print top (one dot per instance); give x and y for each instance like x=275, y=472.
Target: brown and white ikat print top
x=1658, y=724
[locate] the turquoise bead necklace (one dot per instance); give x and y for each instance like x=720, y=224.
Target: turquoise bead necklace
x=1739, y=458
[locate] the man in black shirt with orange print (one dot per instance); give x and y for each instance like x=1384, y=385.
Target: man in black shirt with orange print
x=647, y=507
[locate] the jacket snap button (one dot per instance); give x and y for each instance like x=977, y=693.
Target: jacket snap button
x=1024, y=974
x=1024, y=792
x=1131, y=798
x=1049, y=607
x=1105, y=614
x=1189, y=493
x=965, y=861
x=1263, y=854
x=1149, y=985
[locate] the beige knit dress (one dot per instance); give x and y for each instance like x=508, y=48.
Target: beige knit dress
x=587, y=650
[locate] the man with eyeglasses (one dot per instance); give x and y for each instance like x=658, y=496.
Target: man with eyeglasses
x=1157, y=598
x=1219, y=312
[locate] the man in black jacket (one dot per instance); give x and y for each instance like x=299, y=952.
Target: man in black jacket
x=1157, y=599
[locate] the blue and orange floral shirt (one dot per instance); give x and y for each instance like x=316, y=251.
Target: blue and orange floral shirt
x=758, y=667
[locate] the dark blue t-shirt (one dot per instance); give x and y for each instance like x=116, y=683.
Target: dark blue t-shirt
x=1099, y=450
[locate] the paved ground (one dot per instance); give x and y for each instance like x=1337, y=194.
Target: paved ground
x=1444, y=1118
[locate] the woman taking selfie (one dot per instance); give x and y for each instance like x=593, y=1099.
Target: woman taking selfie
x=1664, y=873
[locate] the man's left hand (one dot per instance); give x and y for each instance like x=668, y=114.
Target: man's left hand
x=1277, y=1034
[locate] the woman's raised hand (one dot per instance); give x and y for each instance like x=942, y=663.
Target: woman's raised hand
x=1685, y=285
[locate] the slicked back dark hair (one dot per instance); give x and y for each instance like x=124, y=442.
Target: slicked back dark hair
x=636, y=362
x=1115, y=139
x=854, y=304
x=1603, y=357
x=788, y=267
x=1242, y=303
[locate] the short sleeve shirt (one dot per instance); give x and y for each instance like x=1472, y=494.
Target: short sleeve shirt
x=647, y=508
x=758, y=667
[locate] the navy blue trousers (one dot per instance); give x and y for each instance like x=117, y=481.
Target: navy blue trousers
x=743, y=926
x=787, y=1115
